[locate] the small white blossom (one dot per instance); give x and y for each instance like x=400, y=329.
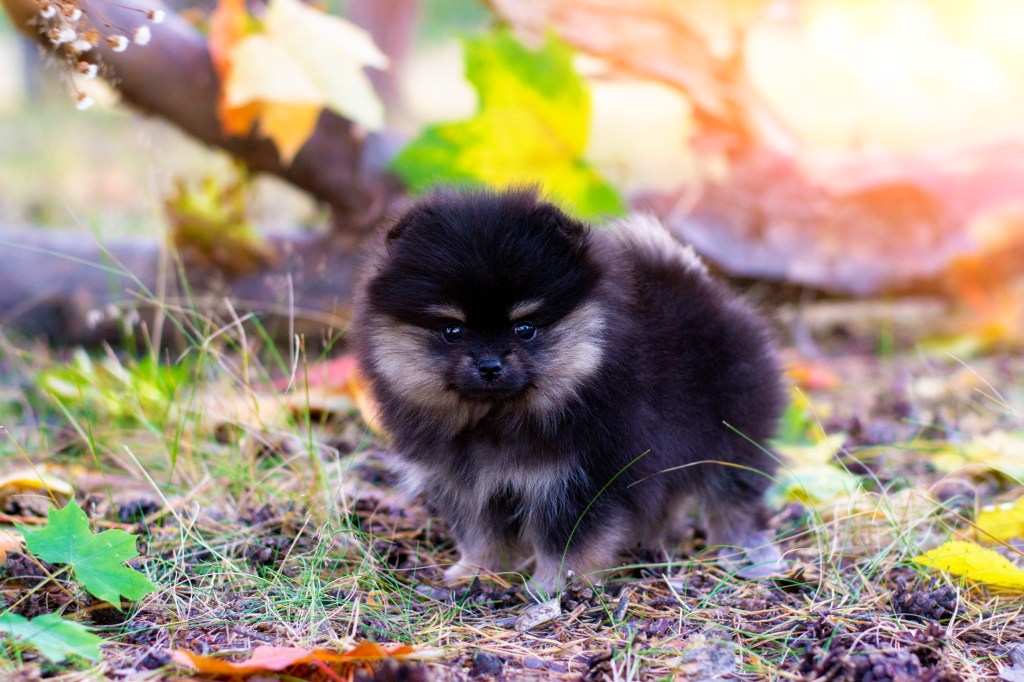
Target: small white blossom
x=141, y=35
x=75, y=14
x=93, y=317
x=88, y=71
x=155, y=15
x=118, y=43
x=81, y=45
x=62, y=35
x=84, y=102
x=48, y=12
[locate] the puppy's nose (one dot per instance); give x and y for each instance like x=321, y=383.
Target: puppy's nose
x=490, y=368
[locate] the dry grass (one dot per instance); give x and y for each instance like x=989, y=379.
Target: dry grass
x=270, y=517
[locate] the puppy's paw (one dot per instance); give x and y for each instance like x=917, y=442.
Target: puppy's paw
x=756, y=558
x=459, y=573
x=547, y=579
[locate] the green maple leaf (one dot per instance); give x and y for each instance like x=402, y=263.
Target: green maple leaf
x=54, y=637
x=96, y=559
x=531, y=128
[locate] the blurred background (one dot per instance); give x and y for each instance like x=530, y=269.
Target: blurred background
x=851, y=149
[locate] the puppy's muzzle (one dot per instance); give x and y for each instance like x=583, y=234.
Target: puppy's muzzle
x=490, y=368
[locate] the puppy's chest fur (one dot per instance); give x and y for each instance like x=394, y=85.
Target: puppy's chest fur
x=510, y=487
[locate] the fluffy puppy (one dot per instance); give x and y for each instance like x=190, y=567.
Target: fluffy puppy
x=559, y=393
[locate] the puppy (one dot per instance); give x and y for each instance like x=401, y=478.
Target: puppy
x=559, y=393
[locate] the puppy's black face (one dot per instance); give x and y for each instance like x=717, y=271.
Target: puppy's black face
x=484, y=302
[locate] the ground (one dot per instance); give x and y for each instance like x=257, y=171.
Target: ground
x=260, y=526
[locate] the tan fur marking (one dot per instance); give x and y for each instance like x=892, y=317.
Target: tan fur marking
x=447, y=311
x=525, y=309
x=576, y=348
x=399, y=352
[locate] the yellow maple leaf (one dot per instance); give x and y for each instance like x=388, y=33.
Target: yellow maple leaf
x=975, y=563
x=302, y=61
x=1002, y=522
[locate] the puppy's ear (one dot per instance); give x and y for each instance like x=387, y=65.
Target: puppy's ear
x=557, y=220
x=395, y=231
x=416, y=213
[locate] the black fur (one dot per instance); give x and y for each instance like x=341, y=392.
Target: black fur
x=637, y=351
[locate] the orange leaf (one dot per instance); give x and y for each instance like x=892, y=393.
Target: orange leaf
x=341, y=377
x=365, y=652
x=332, y=373
x=238, y=120
x=811, y=375
x=263, y=658
x=279, y=658
x=227, y=28
x=289, y=125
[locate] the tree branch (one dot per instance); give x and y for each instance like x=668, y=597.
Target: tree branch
x=173, y=77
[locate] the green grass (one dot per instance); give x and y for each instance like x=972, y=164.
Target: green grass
x=266, y=525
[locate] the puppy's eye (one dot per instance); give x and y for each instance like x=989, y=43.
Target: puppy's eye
x=525, y=330
x=452, y=333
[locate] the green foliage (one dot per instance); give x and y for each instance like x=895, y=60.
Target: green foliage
x=96, y=559
x=531, y=128
x=130, y=392
x=54, y=637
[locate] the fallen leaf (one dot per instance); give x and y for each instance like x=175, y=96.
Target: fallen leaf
x=34, y=480
x=811, y=475
x=10, y=541
x=338, y=378
x=538, y=614
x=704, y=659
x=277, y=659
x=1000, y=451
x=811, y=375
x=975, y=563
x=1002, y=522
x=96, y=559
x=815, y=484
x=1015, y=672
x=56, y=638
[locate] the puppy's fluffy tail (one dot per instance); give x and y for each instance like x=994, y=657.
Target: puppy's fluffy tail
x=646, y=235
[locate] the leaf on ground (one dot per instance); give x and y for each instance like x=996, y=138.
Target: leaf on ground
x=330, y=380
x=282, y=76
x=1003, y=522
x=1000, y=451
x=811, y=375
x=975, y=563
x=277, y=659
x=96, y=559
x=56, y=638
x=531, y=128
x=10, y=541
x=34, y=480
x=811, y=475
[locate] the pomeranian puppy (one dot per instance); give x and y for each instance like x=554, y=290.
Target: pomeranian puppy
x=560, y=393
